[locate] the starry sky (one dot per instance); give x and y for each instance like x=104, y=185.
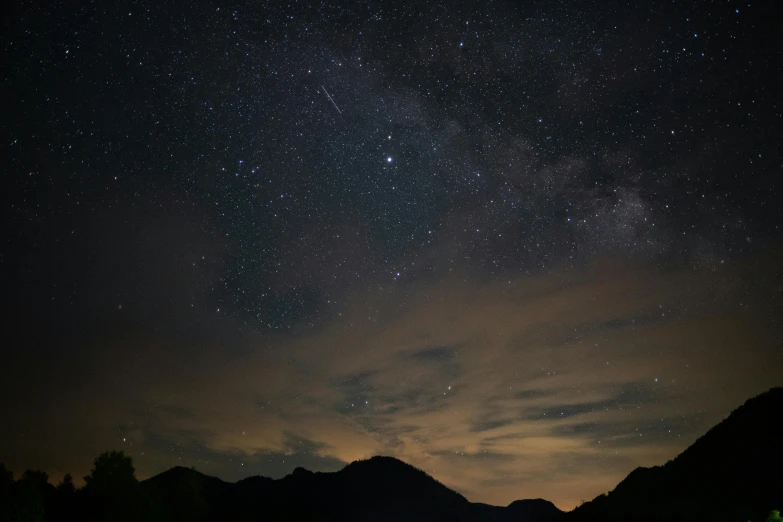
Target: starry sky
x=524, y=246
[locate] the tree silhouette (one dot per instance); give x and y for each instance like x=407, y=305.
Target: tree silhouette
x=112, y=471
x=112, y=492
x=30, y=494
x=6, y=477
x=6, y=493
x=35, y=477
x=64, y=505
x=66, y=485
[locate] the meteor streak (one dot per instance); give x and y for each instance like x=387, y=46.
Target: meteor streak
x=331, y=100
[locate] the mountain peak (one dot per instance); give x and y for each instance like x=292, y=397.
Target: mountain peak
x=300, y=471
x=392, y=473
x=387, y=469
x=379, y=461
x=531, y=502
x=534, y=509
x=179, y=473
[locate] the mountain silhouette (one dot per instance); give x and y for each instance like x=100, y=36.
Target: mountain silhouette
x=733, y=473
x=378, y=489
x=185, y=494
x=533, y=509
x=518, y=511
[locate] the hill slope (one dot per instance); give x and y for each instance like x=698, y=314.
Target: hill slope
x=733, y=472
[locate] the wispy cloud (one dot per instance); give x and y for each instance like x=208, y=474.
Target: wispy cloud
x=550, y=386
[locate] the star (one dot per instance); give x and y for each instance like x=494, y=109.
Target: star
x=302, y=238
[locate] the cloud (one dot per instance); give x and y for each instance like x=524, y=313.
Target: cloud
x=555, y=385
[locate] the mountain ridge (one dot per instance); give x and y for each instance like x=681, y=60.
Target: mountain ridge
x=378, y=488
x=719, y=477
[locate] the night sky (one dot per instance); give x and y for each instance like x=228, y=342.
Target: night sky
x=524, y=246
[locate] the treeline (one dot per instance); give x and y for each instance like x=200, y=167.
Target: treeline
x=111, y=492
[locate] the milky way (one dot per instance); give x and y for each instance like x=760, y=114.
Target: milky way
x=526, y=248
